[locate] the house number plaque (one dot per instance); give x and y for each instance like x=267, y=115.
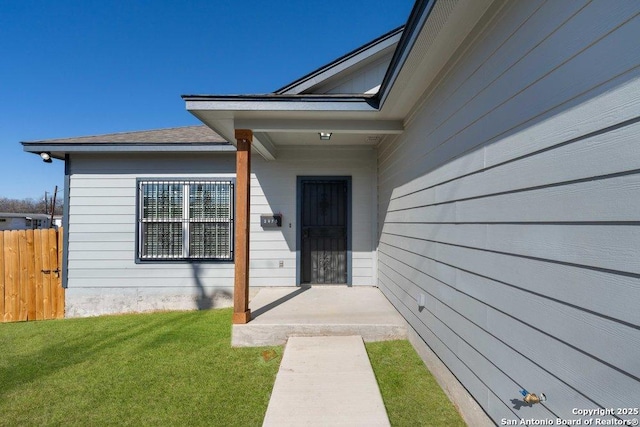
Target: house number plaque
x=271, y=221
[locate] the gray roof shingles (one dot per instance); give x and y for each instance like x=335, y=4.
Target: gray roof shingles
x=185, y=135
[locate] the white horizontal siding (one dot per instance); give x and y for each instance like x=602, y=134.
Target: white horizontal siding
x=102, y=217
x=275, y=192
x=581, y=201
x=512, y=202
x=474, y=123
x=600, y=246
x=566, y=324
x=364, y=80
x=102, y=227
x=545, y=168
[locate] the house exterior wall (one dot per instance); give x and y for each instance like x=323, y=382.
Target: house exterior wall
x=13, y=224
x=22, y=223
x=103, y=276
x=273, y=190
x=512, y=202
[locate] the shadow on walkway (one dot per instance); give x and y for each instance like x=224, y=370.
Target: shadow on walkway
x=279, y=301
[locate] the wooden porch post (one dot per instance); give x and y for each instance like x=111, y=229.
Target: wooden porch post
x=241, y=312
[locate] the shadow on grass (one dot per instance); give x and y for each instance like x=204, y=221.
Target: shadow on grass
x=185, y=333
x=71, y=345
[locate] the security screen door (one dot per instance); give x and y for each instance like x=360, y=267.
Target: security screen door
x=324, y=230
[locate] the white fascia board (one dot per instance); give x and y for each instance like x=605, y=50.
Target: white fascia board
x=125, y=148
x=310, y=125
x=231, y=105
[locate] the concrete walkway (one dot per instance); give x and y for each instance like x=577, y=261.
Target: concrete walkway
x=325, y=381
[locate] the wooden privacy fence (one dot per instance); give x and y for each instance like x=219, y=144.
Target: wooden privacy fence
x=31, y=275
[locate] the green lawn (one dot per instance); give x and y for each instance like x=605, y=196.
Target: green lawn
x=172, y=368
x=410, y=393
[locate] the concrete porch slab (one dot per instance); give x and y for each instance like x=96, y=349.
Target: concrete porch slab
x=279, y=313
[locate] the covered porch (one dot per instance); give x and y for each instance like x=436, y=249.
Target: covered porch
x=331, y=121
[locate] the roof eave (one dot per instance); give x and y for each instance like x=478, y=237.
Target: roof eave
x=417, y=19
x=274, y=102
x=324, y=102
x=58, y=151
x=24, y=215
x=219, y=111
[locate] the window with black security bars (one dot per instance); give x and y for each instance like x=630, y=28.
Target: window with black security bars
x=185, y=220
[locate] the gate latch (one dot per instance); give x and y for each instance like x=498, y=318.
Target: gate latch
x=57, y=270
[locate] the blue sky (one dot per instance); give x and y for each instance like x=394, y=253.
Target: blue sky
x=84, y=67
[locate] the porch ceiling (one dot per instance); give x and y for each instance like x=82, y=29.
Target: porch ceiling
x=311, y=139
x=356, y=123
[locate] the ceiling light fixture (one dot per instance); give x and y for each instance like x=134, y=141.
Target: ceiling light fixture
x=325, y=136
x=46, y=157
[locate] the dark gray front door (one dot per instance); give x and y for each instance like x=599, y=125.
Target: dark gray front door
x=324, y=228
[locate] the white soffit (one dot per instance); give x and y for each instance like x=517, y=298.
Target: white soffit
x=225, y=127
x=288, y=139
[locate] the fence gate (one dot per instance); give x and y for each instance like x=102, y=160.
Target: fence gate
x=31, y=275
